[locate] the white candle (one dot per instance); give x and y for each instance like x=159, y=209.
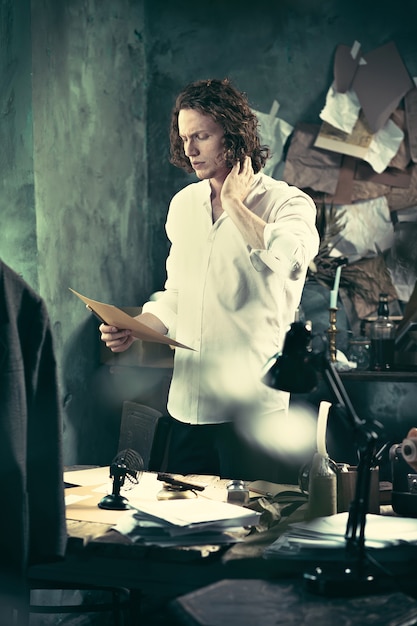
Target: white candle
x=337, y=279
x=335, y=290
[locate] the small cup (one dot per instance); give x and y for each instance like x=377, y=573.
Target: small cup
x=346, y=485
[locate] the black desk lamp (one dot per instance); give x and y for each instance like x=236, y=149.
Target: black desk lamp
x=296, y=370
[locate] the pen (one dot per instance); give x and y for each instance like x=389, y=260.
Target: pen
x=96, y=314
x=181, y=484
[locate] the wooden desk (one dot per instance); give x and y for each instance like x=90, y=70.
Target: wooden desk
x=97, y=554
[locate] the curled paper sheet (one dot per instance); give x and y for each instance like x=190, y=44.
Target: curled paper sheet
x=113, y=316
x=273, y=132
x=341, y=109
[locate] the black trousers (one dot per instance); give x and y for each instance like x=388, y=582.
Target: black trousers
x=219, y=450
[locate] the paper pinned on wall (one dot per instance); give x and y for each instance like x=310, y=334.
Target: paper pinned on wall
x=355, y=143
x=346, y=62
x=381, y=83
x=379, y=79
x=376, y=149
x=365, y=93
x=341, y=110
x=273, y=132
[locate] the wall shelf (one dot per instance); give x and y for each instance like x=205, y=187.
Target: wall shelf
x=403, y=376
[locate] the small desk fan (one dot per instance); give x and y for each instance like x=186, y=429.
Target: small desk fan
x=127, y=465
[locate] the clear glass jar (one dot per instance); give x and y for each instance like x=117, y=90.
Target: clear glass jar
x=359, y=352
x=237, y=492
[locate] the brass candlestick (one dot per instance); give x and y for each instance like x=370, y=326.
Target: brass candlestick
x=332, y=331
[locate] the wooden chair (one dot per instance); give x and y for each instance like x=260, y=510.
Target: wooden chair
x=146, y=431
x=90, y=599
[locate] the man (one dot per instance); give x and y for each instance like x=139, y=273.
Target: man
x=241, y=243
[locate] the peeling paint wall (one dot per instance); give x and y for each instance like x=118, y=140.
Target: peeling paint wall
x=90, y=184
x=17, y=203
x=74, y=178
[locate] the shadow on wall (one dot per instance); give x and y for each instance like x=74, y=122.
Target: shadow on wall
x=94, y=392
x=84, y=430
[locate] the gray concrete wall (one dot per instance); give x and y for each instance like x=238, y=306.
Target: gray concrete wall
x=89, y=111
x=18, y=245
x=73, y=196
x=87, y=88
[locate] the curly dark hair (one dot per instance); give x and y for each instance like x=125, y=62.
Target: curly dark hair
x=229, y=108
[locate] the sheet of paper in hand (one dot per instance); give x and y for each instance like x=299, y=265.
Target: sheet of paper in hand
x=113, y=316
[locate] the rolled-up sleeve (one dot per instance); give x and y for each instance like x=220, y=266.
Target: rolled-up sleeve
x=291, y=239
x=165, y=311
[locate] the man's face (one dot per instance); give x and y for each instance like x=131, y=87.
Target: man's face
x=203, y=144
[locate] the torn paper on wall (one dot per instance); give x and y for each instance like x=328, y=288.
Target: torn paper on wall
x=402, y=198
x=379, y=79
x=346, y=61
x=377, y=149
x=306, y=167
x=273, y=132
x=381, y=83
x=341, y=110
x=366, y=229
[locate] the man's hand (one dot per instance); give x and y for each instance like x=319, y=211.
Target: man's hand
x=238, y=182
x=234, y=191
x=119, y=340
x=116, y=339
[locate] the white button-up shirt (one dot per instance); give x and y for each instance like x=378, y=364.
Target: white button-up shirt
x=230, y=303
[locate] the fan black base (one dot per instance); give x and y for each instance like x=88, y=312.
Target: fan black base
x=115, y=502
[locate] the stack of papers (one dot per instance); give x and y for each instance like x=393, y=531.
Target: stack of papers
x=325, y=536
x=196, y=521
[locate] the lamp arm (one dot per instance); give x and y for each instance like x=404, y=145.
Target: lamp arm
x=355, y=528
x=334, y=382
x=295, y=370
x=366, y=439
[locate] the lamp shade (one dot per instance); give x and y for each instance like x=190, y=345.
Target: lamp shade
x=293, y=369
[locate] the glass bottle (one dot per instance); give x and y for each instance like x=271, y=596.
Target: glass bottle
x=383, y=337
x=322, y=488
